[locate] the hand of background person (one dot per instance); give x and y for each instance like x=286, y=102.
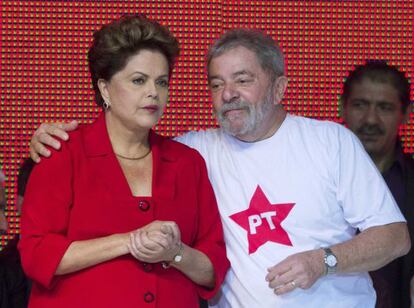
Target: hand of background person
x=156, y=242
x=299, y=270
x=45, y=135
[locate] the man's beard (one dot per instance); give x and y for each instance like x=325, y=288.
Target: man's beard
x=255, y=115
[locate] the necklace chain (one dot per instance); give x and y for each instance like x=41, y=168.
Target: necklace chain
x=134, y=158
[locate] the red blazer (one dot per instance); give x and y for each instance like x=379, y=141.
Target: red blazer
x=80, y=193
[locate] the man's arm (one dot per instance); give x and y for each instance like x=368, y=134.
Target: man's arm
x=373, y=248
x=369, y=250
x=44, y=136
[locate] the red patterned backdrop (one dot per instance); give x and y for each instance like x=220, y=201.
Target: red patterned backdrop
x=44, y=74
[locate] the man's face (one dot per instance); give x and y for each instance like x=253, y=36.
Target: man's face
x=374, y=113
x=4, y=225
x=242, y=92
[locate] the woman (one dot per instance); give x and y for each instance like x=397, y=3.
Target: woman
x=122, y=217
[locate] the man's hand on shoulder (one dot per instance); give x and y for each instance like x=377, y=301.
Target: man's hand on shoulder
x=45, y=136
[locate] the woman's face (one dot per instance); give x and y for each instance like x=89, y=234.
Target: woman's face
x=139, y=92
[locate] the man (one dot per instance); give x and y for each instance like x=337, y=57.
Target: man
x=13, y=292
x=4, y=226
x=23, y=177
x=291, y=191
x=375, y=102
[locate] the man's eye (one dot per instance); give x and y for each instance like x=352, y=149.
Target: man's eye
x=386, y=107
x=214, y=86
x=359, y=104
x=243, y=81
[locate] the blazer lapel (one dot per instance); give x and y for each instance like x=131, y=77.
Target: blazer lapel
x=98, y=149
x=165, y=166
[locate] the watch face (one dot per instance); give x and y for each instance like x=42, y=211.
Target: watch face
x=178, y=258
x=331, y=260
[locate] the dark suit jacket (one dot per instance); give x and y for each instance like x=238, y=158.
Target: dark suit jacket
x=408, y=211
x=392, y=282
x=13, y=282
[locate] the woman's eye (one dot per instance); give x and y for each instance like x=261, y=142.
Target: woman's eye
x=138, y=81
x=163, y=83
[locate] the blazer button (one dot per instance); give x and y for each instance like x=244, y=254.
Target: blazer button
x=147, y=267
x=149, y=297
x=144, y=205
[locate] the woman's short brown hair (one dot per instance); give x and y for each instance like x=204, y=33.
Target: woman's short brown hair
x=117, y=41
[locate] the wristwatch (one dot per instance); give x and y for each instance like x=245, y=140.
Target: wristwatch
x=330, y=261
x=179, y=256
x=176, y=259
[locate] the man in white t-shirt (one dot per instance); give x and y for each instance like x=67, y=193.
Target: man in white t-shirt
x=292, y=192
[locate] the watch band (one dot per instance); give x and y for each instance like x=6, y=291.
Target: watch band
x=179, y=256
x=330, y=261
x=176, y=259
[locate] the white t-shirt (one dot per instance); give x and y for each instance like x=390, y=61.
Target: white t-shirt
x=310, y=185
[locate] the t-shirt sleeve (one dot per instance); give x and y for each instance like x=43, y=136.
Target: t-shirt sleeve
x=210, y=233
x=45, y=216
x=362, y=192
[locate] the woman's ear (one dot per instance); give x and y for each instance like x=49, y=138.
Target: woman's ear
x=103, y=89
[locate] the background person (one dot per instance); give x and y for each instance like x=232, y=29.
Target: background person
x=4, y=225
x=375, y=103
x=13, y=284
x=24, y=173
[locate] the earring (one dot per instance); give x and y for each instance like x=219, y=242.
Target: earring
x=106, y=105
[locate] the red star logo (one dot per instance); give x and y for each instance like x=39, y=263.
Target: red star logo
x=262, y=221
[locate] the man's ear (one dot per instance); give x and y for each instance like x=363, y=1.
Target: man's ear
x=342, y=110
x=280, y=89
x=406, y=115
x=103, y=89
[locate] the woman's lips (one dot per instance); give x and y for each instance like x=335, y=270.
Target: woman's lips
x=151, y=108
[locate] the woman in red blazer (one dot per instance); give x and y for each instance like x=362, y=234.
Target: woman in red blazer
x=122, y=217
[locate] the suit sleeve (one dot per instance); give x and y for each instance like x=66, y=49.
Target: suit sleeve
x=45, y=216
x=210, y=232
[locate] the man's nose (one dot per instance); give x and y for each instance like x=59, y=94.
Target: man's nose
x=371, y=115
x=229, y=93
